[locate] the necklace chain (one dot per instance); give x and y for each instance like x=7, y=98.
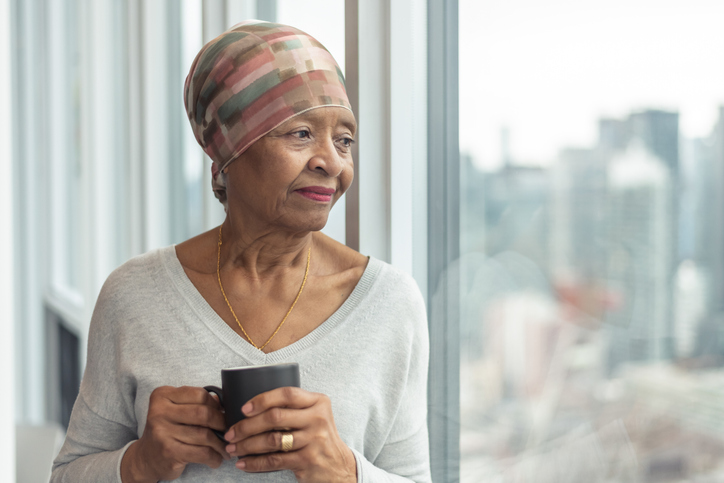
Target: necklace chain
x=301, y=289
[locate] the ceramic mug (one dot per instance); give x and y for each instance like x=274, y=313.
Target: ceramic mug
x=241, y=384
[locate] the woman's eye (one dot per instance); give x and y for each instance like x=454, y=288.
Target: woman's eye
x=347, y=142
x=302, y=134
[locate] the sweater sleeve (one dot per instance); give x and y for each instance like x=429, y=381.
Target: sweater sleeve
x=93, y=448
x=405, y=461
x=102, y=424
x=405, y=456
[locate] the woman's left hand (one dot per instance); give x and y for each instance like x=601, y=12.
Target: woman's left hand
x=318, y=453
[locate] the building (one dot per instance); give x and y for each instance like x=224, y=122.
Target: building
x=639, y=256
x=579, y=215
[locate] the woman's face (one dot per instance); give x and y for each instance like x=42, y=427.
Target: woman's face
x=291, y=177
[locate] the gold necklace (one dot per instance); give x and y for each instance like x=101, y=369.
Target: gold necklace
x=218, y=276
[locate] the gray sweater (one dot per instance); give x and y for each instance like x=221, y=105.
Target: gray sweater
x=151, y=328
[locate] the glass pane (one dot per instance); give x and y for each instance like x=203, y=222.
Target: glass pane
x=592, y=146
x=193, y=158
x=68, y=370
x=327, y=28
x=74, y=165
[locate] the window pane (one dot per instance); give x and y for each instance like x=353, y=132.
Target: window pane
x=592, y=143
x=193, y=159
x=71, y=185
x=327, y=28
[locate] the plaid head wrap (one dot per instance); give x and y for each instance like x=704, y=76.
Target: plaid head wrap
x=249, y=80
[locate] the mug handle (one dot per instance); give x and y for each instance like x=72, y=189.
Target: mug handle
x=217, y=390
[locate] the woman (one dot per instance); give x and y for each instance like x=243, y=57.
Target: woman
x=267, y=103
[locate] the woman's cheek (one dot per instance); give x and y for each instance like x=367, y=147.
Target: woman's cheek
x=347, y=177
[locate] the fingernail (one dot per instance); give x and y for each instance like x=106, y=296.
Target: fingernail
x=246, y=408
x=241, y=464
x=229, y=435
x=230, y=448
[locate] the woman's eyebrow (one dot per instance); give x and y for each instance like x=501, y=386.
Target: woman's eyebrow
x=352, y=126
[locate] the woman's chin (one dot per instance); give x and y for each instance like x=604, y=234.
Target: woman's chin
x=316, y=223
x=318, y=226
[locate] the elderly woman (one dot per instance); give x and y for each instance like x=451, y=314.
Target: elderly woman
x=267, y=103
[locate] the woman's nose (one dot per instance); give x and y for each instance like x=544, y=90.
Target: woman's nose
x=327, y=158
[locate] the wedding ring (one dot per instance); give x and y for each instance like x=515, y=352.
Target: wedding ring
x=287, y=442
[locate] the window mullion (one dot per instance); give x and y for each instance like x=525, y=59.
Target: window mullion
x=444, y=240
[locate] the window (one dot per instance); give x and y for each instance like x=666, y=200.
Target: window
x=65, y=157
x=590, y=239
x=192, y=209
x=550, y=173
x=63, y=369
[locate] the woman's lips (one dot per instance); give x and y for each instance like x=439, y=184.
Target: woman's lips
x=317, y=193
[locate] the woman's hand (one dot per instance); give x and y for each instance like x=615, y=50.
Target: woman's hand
x=318, y=453
x=177, y=433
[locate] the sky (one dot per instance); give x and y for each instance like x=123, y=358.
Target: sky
x=549, y=70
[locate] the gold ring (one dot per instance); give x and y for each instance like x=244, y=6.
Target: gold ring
x=287, y=441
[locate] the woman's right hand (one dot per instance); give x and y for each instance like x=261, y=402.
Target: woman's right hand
x=178, y=432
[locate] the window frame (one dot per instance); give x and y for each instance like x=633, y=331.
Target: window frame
x=404, y=208
x=444, y=240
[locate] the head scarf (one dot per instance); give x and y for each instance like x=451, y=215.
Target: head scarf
x=248, y=81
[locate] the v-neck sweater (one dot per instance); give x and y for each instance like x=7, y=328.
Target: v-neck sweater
x=151, y=327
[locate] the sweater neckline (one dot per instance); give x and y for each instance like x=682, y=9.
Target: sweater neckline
x=234, y=341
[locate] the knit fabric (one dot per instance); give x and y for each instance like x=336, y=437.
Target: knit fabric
x=151, y=327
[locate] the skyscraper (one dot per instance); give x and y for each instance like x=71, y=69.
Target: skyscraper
x=659, y=132
x=639, y=227
x=579, y=213
x=716, y=210
x=615, y=229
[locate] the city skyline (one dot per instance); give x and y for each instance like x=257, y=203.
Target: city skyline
x=589, y=319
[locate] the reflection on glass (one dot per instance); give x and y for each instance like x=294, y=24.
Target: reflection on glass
x=592, y=342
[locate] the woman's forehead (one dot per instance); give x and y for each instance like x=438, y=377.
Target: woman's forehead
x=328, y=115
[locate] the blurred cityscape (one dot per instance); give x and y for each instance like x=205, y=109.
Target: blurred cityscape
x=592, y=330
